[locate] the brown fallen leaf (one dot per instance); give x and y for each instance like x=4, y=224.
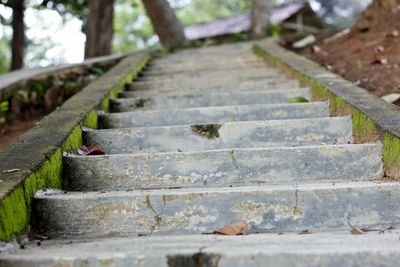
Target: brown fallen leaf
x=393, y=34
x=238, y=228
x=91, y=150
x=357, y=231
x=380, y=59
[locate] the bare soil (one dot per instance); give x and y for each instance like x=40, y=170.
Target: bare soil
x=369, y=55
x=15, y=129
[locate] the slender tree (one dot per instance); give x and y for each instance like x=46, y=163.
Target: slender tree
x=99, y=28
x=18, y=36
x=260, y=15
x=165, y=23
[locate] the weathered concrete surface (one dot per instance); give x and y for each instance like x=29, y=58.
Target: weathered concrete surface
x=290, y=249
x=383, y=114
x=316, y=188
x=214, y=115
x=223, y=167
x=205, y=89
x=207, y=100
x=20, y=77
x=204, y=82
x=212, y=74
x=186, y=211
x=221, y=58
x=153, y=69
x=226, y=135
x=35, y=147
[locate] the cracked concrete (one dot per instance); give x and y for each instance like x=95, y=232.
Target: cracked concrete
x=209, y=138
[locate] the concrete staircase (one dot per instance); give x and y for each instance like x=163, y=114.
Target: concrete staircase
x=206, y=137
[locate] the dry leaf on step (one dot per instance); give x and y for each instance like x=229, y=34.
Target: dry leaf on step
x=356, y=231
x=91, y=150
x=238, y=228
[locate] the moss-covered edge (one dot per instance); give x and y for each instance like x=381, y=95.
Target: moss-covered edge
x=15, y=208
x=364, y=128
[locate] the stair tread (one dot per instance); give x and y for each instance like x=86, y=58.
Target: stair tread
x=151, y=249
x=272, y=208
x=217, y=114
x=244, y=87
x=224, y=135
x=223, y=167
x=206, y=100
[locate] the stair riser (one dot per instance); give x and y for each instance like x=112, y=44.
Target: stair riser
x=215, y=100
x=206, y=75
x=151, y=71
x=223, y=167
x=168, y=68
x=264, y=87
x=227, y=135
x=266, y=210
x=249, y=87
x=205, y=59
x=214, y=115
x=263, y=258
x=205, y=83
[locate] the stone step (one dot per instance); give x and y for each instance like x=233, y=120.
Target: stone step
x=206, y=100
x=253, y=86
x=211, y=74
x=176, y=58
x=214, y=114
x=288, y=249
x=155, y=71
x=223, y=167
x=272, y=208
x=233, y=90
x=238, y=63
x=222, y=136
x=206, y=58
x=206, y=83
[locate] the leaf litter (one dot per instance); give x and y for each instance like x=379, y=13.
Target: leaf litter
x=240, y=227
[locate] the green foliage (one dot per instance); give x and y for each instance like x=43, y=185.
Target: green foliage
x=76, y=8
x=298, y=99
x=200, y=11
x=274, y=30
x=132, y=29
x=97, y=71
x=4, y=106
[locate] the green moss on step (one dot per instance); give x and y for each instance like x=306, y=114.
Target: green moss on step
x=74, y=140
x=319, y=92
x=13, y=214
x=105, y=104
x=391, y=155
x=92, y=120
x=339, y=107
x=364, y=129
x=298, y=99
x=15, y=208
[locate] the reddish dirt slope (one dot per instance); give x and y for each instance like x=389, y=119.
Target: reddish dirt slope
x=370, y=54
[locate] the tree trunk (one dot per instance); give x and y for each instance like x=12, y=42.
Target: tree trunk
x=18, y=37
x=99, y=28
x=165, y=23
x=260, y=15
